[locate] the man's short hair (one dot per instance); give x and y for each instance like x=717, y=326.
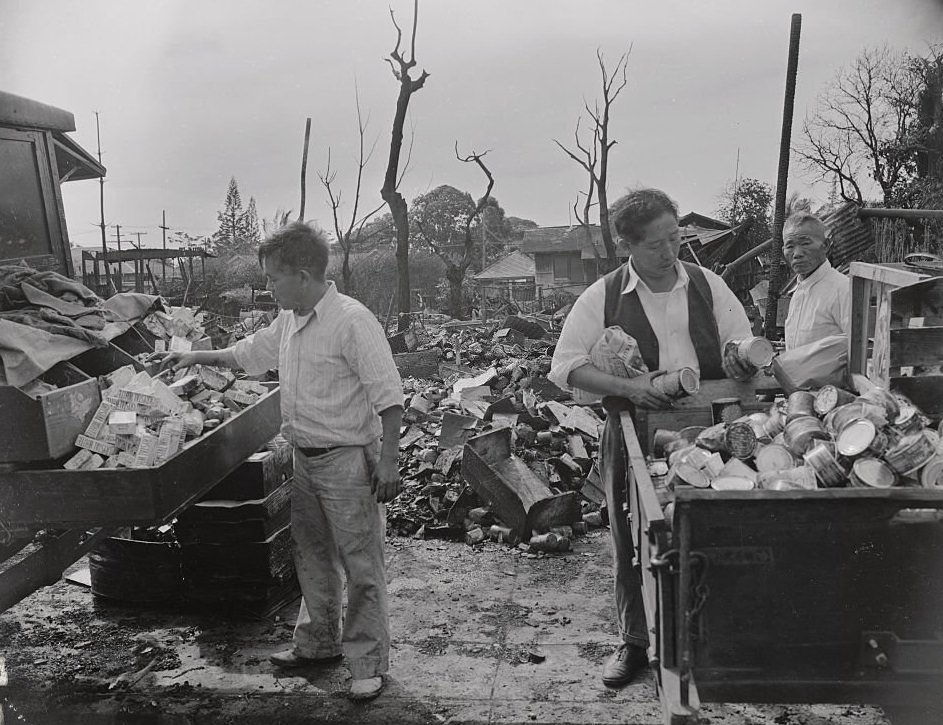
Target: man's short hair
x=297, y=246
x=631, y=213
x=801, y=218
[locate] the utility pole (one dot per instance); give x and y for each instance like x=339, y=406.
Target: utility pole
x=163, y=232
x=482, y=311
x=101, y=202
x=119, y=285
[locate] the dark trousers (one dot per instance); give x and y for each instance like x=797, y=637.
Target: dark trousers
x=630, y=608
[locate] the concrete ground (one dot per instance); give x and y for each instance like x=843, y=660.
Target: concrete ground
x=480, y=635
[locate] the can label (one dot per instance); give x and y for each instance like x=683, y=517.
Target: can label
x=726, y=410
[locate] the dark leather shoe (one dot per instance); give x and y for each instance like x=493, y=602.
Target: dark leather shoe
x=289, y=659
x=624, y=665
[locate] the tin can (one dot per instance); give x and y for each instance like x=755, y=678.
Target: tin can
x=713, y=438
x=679, y=454
x=909, y=420
x=678, y=383
x=830, y=397
x=726, y=410
x=697, y=457
x=684, y=474
x=829, y=472
x=777, y=420
x=911, y=453
x=679, y=444
x=661, y=440
x=774, y=458
x=691, y=432
x=801, y=433
x=732, y=483
x=871, y=473
x=861, y=436
x=740, y=440
x=800, y=403
x=798, y=478
x=931, y=475
x=841, y=416
x=756, y=351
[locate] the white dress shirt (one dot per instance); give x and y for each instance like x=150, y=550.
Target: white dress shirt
x=820, y=307
x=336, y=371
x=667, y=313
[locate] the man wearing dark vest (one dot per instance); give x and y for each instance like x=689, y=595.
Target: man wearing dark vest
x=681, y=315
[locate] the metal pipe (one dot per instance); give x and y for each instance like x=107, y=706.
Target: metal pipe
x=865, y=212
x=779, y=210
x=745, y=257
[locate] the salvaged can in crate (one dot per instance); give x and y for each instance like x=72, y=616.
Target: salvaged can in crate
x=799, y=478
x=726, y=410
x=910, y=454
x=871, y=473
x=861, y=436
x=799, y=403
x=821, y=460
x=801, y=433
x=830, y=397
x=740, y=440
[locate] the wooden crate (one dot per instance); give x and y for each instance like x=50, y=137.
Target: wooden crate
x=45, y=428
x=57, y=498
x=830, y=595
x=897, y=331
x=696, y=409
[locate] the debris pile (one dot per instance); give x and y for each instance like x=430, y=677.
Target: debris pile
x=542, y=480
x=830, y=438
x=176, y=331
x=144, y=421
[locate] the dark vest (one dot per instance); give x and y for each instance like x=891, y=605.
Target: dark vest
x=626, y=311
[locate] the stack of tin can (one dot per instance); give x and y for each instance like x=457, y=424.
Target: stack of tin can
x=813, y=439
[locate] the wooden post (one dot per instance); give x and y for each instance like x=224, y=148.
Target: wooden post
x=779, y=209
x=304, y=168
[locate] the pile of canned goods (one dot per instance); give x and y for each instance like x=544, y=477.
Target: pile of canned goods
x=829, y=438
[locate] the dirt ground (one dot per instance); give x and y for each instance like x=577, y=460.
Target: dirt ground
x=480, y=635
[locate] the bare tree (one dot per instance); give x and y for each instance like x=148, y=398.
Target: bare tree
x=456, y=265
x=401, y=67
x=861, y=127
x=351, y=235
x=597, y=150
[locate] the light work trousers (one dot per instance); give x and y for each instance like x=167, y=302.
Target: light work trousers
x=339, y=529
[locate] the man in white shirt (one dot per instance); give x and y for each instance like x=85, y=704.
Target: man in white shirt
x=681, y=316
x=338, y=383
x=821, y=303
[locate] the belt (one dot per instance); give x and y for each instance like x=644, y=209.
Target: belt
x=315, y=452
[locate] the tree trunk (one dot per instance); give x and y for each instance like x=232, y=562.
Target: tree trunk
x=347, y=275
x=455, y=275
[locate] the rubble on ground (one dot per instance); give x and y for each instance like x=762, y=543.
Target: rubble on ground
x=492, y=376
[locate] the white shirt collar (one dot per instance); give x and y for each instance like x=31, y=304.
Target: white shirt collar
x=816, y=276
x=635, y=280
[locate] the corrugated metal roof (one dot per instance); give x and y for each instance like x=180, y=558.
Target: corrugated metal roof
x=851, y=237
x=516, y=265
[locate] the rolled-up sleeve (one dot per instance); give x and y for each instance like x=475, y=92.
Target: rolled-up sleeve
x=368, y=353
x=258, y=352
x=732, y=320
x=584, y=325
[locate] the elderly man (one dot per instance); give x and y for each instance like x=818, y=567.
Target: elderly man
x=821, y=303
x=338, y=382
x=681, y=316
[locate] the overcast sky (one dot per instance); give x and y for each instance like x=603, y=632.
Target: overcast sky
x=192, y=93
